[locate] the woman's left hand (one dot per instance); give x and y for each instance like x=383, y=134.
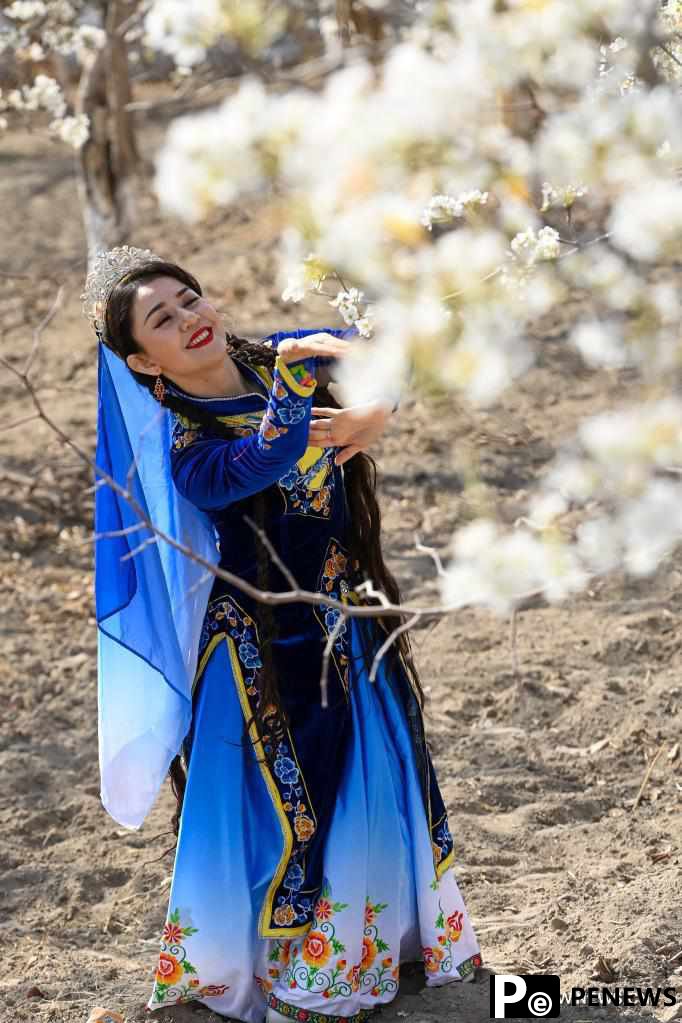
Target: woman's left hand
x=353, y=429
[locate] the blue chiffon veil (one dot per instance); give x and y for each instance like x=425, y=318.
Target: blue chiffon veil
x=150, y=598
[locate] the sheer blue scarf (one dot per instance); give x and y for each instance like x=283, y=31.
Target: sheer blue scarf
x=150, y=598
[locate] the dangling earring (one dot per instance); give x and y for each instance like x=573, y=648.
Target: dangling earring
x=159, y=390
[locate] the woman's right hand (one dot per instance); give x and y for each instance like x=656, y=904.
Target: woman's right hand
x=293, y=349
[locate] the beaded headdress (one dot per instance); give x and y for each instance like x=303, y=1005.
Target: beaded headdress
x=109, y=267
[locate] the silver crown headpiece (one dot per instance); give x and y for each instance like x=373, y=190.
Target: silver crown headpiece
x=108, y=268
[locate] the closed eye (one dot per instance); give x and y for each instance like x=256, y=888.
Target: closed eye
x=185, y=305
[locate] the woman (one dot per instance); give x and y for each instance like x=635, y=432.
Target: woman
x=313, y=853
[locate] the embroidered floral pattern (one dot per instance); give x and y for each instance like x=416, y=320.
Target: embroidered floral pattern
x=308, y=1016
x=316, y=963
x=334, y=579
x=292, y=908
x=285, y=410
x=184, y=432
x=441, y=841
x=439, y=958
x=176, y=979
x=469, y=965
x=307, y=488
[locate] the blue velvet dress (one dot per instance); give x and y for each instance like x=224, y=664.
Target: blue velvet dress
x=313, y=861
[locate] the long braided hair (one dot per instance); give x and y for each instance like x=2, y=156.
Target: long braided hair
x=360, y=474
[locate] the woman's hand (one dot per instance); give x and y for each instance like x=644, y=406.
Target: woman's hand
x=292, y=349
x=353, y=429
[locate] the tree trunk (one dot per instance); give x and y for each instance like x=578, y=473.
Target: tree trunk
x=108, y=160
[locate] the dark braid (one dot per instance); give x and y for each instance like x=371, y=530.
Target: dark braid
x=360, y=474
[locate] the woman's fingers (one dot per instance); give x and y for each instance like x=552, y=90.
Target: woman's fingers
x=292, y=349
x=317, y=411
x=320, y=432
x=346, y=453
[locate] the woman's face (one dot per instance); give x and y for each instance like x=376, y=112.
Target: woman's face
x=180, y=333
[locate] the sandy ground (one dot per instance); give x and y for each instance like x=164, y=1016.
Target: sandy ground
x=540, y=768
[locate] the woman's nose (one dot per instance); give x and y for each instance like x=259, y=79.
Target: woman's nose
x=189, y=318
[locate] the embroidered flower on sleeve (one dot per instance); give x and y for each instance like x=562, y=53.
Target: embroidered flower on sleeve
x=286, y=770
x=292, y=413
x=288, y=480
x=294, y=877
x=248, y=655
x=284, y=915
x=304, y=827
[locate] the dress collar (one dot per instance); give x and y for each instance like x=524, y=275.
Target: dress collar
x=252, y=399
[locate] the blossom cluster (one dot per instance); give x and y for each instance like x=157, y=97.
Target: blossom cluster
x=45, y=94
x=186, y=31
x=482, y=120
x=33, y=30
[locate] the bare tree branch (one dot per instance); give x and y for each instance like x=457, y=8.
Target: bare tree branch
x=387, y=643
x=286, y=572
x=326, y=653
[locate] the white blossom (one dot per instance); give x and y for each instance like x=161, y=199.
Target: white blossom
x=563, y=195
x=652, y=526
x=600, y=344
x=532, y=246
x=24, y=10
x=74, y=130
x=348, y=302
x=647, y=221
x=496, y=569
x=447, y=207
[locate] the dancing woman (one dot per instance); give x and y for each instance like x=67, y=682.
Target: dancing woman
x=313, y=853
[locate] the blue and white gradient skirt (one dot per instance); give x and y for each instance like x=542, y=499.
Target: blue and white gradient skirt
x=300, y=892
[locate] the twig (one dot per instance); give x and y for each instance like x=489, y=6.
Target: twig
x=149, y=542
x=387, y=643
x=647, y=775
x=326, y=653
x=171, y=848
x=419, y=546
x=20, y=422
x=37, y=331
x=263, y=537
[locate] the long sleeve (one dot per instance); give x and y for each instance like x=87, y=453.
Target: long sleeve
x=212, y=472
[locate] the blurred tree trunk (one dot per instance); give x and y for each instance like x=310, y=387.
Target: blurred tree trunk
x=108, y=161
x=355, y=19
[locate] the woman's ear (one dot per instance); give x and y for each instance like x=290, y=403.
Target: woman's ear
x=140, y=363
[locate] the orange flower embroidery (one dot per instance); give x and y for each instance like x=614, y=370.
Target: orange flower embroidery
x=454, y=925
x=316, y=949
x=370, y=915
x=169, y=970
x=369, y=953
x=433, y=957
x=353, y=976
x=284, y=953
x=284, y=915
x=304, y=828
x=213, y=989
